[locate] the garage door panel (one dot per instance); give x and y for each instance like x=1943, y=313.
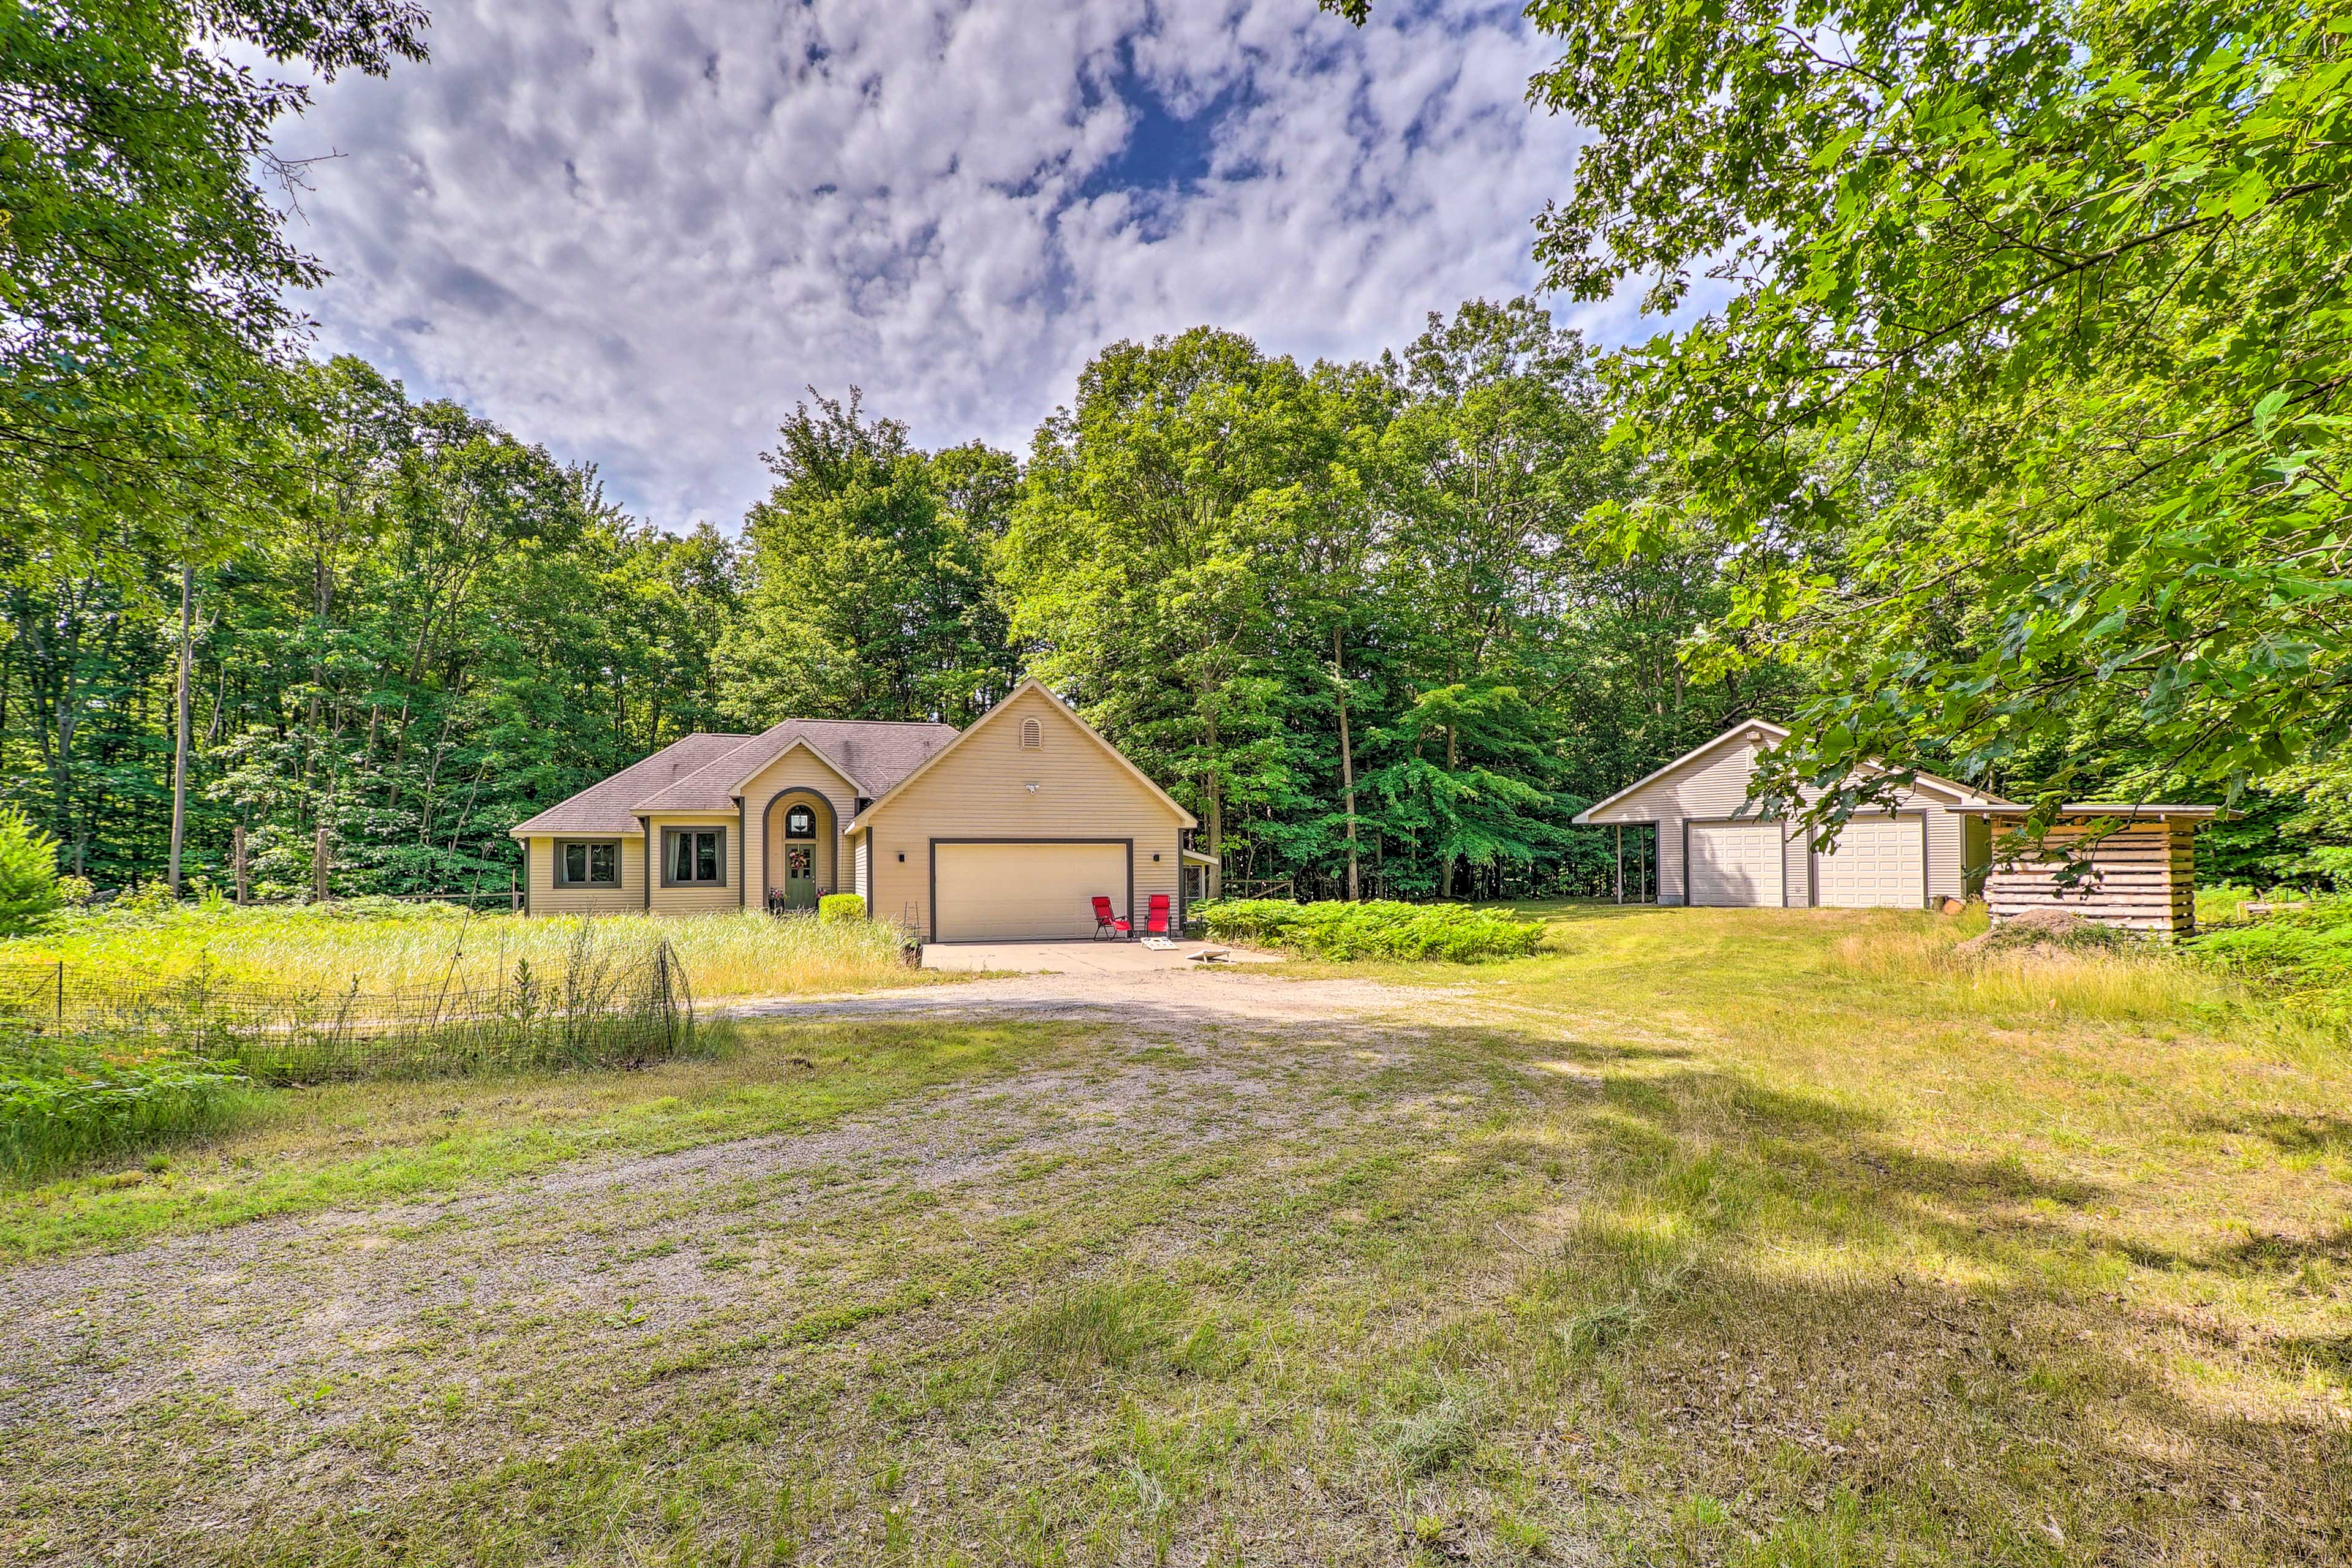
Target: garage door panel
x=1032, y=890
x=1735, y=865
x=1879, y=863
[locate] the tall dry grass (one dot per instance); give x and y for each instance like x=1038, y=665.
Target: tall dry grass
x=2136, y=985
x=396, y=948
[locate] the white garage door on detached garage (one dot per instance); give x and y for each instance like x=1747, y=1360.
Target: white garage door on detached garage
x=1735, y=865
x=1031, y=891
x=1922, y=839
x=1880, y=862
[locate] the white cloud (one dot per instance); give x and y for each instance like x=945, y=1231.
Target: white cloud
x=635, y=231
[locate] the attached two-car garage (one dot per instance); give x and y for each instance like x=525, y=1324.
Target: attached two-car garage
x=1027, y=889
x=1011, y=832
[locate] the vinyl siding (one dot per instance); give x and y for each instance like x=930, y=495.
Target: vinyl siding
x=702, y=900
x=796, y=769
x=548, y=899
x=1714, y=786
x=979, y=789
x=863, y=871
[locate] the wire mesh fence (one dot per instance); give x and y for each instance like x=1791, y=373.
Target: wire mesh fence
x=605, y=1007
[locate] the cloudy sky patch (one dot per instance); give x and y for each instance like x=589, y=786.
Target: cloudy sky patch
x=637, y=230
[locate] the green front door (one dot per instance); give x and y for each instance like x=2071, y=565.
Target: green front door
x=800, y=876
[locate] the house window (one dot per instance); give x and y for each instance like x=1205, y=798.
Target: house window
x=800, y=822
x=693, y=857
x=1032, y=735
x=588, y=865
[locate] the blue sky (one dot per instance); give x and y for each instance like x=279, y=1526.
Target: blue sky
x=636, y=231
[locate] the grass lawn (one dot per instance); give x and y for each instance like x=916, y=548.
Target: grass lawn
x=1702, y=1237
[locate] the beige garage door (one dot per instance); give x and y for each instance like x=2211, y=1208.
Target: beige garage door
x=1734, y=865
x=1027, y=892
x=1879, y=863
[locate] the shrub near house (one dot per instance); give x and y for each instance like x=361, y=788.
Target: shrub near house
x=1450, y=933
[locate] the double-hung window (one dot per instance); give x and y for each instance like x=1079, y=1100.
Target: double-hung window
x=693, y=856
x=588, y=865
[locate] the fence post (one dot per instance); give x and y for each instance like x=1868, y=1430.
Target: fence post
x=61, y=995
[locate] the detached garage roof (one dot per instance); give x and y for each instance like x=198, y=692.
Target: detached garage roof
x=1757, y=732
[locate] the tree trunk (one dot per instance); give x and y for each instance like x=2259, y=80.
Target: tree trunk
x=1217, y=816
x=1346, y=764
x=1453, y=760
x=180, y=731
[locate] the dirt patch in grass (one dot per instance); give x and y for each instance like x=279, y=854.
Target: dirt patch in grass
x=945, y=1263
x=588, y=1239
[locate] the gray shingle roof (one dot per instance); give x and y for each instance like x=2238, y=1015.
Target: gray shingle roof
x=605, y=808
x=875, y=753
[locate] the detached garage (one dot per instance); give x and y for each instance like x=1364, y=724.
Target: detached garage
x=1713, y=852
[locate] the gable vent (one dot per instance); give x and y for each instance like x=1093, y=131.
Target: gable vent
x=1032, y=735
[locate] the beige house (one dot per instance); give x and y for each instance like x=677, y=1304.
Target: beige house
x=1005, y=830
x=1713, y=849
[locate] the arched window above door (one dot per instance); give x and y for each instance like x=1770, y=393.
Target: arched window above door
x=800, y=822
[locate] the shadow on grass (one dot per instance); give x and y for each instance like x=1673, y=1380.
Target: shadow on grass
x=1977, y=1366
x=2289, y=1135
x=1779, y=1329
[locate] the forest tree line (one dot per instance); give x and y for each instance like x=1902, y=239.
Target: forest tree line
x=2017, y=452
x=1350, y=614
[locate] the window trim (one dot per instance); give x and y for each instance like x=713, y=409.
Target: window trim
x=670, y=836
x=560, y=875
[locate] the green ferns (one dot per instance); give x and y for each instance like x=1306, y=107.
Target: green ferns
x=65, y=1107
x=2306, y=949
x=1454, y=933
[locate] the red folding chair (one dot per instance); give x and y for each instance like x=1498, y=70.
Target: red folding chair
x=1156, y=923
x=1107, y=921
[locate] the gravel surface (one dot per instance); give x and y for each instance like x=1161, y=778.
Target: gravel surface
x=1164, y=998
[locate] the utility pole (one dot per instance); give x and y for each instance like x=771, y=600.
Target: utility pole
x=180, y=743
